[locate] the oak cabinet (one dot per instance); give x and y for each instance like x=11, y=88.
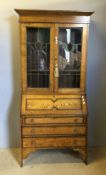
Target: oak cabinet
x=54, y=104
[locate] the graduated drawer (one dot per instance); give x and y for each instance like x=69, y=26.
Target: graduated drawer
x=52, y=120
x=54, y=130
x=54, y=142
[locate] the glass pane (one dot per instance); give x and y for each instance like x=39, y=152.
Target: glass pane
x=38, y=57
x=70, y=43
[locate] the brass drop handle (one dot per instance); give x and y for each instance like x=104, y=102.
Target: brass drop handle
x=75, y=130
x=31, y=120
x=32, y=131
x=75, y=142
x=76, y=120
x=33, y=143
x=56, y=72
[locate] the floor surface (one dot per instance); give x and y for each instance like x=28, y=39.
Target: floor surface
x=53, y=162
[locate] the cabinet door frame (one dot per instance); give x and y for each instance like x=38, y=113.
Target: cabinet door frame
x=81, y=89
x=23, y=30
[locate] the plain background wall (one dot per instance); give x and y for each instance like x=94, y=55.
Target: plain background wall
x=10, y=66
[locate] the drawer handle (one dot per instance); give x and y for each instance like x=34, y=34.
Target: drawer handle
x=75, y=130
x=32, y=131
x=33, y=143
x=76, y=120
x=31, y=120
x=84, y=120
x=75, y=142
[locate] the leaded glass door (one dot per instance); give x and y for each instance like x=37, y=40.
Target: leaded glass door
x=38, y=57
x=68, y=57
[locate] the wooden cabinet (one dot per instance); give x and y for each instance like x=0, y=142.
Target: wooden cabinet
x=54, y=104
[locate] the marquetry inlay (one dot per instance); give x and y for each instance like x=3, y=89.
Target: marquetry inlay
x=34, y=104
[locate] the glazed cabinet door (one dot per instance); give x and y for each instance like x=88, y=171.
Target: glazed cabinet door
x=37, y=57
x=70, y=57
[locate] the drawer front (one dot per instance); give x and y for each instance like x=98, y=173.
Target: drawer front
x=54, y=142
x=52, y=120
x=49, y=104
x=55, y=130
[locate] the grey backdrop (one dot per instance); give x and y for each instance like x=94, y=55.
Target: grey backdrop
x=10, y=67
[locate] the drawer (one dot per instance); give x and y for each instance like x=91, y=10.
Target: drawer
x=54, y=130
x=49, y=104
x=54, y=142
x=53, y=120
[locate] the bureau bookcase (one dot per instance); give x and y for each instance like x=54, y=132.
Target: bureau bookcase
x=53, y=88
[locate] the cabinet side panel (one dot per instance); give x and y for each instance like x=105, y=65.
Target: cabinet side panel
x=23, y=56
x=84, y=58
